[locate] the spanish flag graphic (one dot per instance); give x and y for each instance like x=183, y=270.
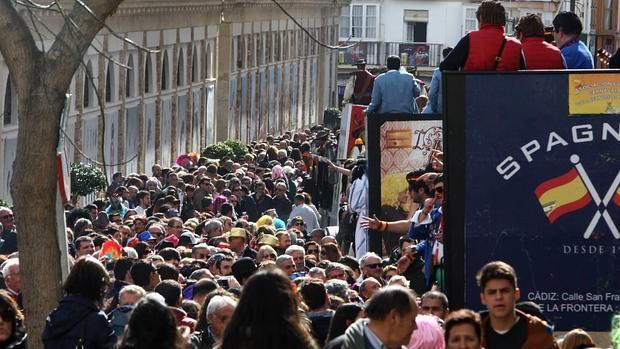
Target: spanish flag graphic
x=617, y=197
x=564, y=194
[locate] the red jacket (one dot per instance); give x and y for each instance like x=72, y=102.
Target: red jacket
x=539, y=54
x=362, y=92
x=484, y=45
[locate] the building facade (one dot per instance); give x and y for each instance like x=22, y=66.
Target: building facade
x=235, y=69
x=606, y=25
x=416, y=30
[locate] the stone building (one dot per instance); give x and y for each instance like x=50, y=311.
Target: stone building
x=219, y=69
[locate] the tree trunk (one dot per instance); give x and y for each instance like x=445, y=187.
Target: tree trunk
x=33, y=189
x=42, y=79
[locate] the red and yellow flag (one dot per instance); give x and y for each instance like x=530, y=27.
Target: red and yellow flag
x=617, y=197
x=564, y=194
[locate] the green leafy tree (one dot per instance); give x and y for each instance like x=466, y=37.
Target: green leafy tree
x=217, y=151
x=238, y=147
x=86, y=179
x=331, y=117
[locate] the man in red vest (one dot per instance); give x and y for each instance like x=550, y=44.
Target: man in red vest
x=537, y=53
x=487, y=48
x=364, y=80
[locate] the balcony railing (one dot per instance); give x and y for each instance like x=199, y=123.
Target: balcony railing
x=420, y=54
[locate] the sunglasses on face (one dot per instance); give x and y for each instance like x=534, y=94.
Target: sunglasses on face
x=313, y=251
x=7, y=216
x=374, y=265
x=439, y=190
x=299, y=224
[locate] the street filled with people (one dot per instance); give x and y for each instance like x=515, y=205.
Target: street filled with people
x=269, y=249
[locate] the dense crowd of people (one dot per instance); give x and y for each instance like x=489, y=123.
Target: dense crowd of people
x=236, y=252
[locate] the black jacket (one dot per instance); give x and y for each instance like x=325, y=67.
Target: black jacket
x=203, y=340
x=17, y=341
x=77, y=318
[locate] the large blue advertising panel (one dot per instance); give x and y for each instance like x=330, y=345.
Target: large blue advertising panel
x=537, y=186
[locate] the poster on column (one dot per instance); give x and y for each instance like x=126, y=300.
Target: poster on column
x=399, y=143
x=352, y=126
x=534, y=186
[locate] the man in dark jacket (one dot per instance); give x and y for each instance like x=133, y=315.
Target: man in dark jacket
x=121, y=277
x=281, y=202
x=263, y=200
x=218, y=314
x=315, y=296
x=504, y=327
x=171, y=290
x=246, y=204
x=8, y=232
x=391, y=320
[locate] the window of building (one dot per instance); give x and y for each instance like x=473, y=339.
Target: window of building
x=470, y=22
x=208, y=59
x=87, y=96
x=416, y=22
x=109, y=83
x=359, y=21
x=180, y=78
x=371, y=21
x=10, y=102
x=345, y=18
x=130, y=78
x=285, y=45
x=148, y=73
x=195, y=65
x=608, y=14
x=268, y=47
x=258, y=44
x=276, y=46
x=250, y=63
x=164, y=72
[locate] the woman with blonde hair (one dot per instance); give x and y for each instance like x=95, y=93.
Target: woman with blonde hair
x=266, y=252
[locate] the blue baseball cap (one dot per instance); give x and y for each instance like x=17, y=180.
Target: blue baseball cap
x=145, y=236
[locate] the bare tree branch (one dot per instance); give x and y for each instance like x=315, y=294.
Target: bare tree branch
x=113, y=32
x=68, y=49
x=17, y=41
x=34, y=5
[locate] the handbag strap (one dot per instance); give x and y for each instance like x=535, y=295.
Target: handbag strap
x=498, y=58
